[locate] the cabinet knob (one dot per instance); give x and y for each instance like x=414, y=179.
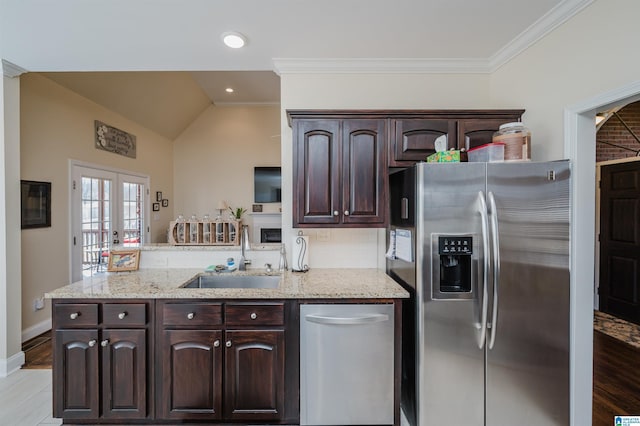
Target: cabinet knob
x=92, y=343
x=346, y=212
x=190, y=315
x=216, y=344
x=104, y=343
x=74, y=315
x=253, y=315
x=228, y=343
x=121, y=315
x=336, y=212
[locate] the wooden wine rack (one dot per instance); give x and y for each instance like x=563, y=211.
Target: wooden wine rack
x=214, y=233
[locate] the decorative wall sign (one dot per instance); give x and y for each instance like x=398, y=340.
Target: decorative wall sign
x=114, y=140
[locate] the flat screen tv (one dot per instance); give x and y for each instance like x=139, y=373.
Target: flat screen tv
x=267, y=184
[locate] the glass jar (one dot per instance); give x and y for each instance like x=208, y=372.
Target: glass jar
x=517, y=141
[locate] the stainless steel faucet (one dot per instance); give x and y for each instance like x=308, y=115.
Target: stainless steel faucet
x=244, y=247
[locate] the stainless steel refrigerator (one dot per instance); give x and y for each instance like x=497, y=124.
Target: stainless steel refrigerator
x=484, y=250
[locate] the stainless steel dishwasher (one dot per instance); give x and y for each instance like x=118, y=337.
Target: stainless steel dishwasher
x=346, y=364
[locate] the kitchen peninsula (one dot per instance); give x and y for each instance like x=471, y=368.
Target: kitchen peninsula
x=139, y=347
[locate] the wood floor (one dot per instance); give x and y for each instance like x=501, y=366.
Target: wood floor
x=616, y=379
x=616, y=375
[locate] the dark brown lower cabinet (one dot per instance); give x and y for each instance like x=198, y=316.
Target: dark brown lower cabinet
x=75, y=374
x=191, y=374
x=254, y=374
x=101, y=361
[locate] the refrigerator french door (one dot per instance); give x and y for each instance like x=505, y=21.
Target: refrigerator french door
x=489, y=271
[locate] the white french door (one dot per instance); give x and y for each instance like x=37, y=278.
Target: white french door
x=109, y=208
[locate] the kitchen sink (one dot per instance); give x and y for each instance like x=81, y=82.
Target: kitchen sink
x=233, y=281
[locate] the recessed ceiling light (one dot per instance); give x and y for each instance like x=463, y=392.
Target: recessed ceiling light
x=234, y=40
x=229, y=90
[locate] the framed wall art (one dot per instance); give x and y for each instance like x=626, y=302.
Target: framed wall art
x=124, y=260
x=35, y=204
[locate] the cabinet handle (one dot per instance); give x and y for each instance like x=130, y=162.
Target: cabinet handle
x=336, y=212
x=216, y=344
x=190, y=315
x=104, y=343
x=92, y=343
x=253, y=315
x=346, y=212
x=228, y=343
x=121, y=315
x=74, y=315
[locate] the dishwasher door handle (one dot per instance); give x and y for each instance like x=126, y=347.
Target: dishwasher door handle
x=368, y=319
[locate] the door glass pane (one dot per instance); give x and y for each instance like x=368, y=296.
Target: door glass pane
x=132, y=209
x=96, y=226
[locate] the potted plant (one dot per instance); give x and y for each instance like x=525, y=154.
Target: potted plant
x=236, y=214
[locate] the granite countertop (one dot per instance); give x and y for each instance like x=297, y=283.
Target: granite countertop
x=163, y=283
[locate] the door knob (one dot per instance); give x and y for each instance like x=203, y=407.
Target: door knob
x=74, y=315
x=121, y=315
x=190, y=315
x=104, y=343
x=216, y=344
x=346, y=212
x=228, y=343
x=92, y=343
x=336, y=212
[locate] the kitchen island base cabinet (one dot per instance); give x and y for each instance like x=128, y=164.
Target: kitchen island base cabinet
x=100, y=369
x=225, y=362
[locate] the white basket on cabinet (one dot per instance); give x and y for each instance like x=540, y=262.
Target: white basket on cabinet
x=209, y=233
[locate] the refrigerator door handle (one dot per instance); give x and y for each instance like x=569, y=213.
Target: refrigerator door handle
x=493, y=214
x=484, y=215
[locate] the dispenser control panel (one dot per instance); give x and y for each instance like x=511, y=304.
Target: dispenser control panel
x=455, y=245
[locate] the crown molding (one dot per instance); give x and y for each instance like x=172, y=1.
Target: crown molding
x=379, y=66
x=536, y=31
x=11, y=70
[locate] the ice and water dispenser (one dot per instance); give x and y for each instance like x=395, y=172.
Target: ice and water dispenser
x=452, y=268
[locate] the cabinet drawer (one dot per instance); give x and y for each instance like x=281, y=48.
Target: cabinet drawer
x=254, y=314
x=124, y=314
x=189, y=314
x=76, y=314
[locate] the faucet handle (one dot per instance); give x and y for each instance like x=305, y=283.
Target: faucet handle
x=268, y=266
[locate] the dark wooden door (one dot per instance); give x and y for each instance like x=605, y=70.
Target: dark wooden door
x=191, y=363
x=254, y=375
x=75, y=371
x=364, y=168
x=124, y=374
x=619, y=289
x=413, y=139
x=476, y=132
x=316, y=173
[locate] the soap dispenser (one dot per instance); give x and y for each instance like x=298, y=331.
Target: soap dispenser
x=282, y=266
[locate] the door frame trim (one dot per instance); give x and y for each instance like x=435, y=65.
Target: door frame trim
x=580, y=148
x=72, y=164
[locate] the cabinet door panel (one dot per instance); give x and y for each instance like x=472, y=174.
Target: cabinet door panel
x=192, y=374
x=124, y=373
x=75, y=372
x=473, y=133
x=254, y=376
x=316, y=172
x=364, y=168
x=415, y=139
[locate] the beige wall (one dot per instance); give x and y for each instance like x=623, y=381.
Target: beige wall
x=57, y=126
x=594, y=52
x=364, y=248
x=215, y=156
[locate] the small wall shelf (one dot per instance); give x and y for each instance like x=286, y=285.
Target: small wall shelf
x=214, y=233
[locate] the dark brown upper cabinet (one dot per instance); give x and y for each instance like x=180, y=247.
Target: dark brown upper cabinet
x=339, y=171
x=413, y=133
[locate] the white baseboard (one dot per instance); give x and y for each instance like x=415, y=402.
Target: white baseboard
x=36, y=330
x=8, y=366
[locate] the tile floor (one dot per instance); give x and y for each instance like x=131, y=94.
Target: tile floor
x=25, y=399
